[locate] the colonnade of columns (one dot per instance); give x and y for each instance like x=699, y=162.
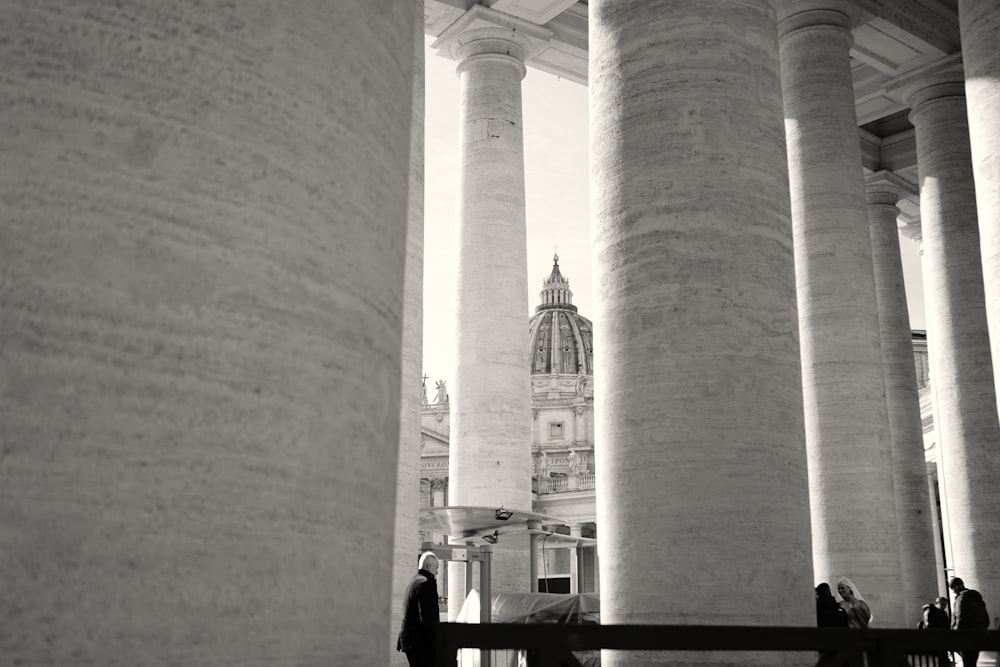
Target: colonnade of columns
x=847, y=436
x=202, y=313
x=955, y=303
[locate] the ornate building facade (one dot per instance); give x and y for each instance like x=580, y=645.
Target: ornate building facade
x=562, y=430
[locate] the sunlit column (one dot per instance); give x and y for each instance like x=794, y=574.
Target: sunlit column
x=958, y=342
x=490, y=451
x=979, y=21
x=847, y=431
x=913, y=512
x=407, y=532
x=701, y=465
x=202, y=244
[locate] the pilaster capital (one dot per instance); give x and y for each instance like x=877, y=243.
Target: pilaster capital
x=940, y=79
x=844, y=14
x=910, y=228
x=884, y=188
x=485, y=32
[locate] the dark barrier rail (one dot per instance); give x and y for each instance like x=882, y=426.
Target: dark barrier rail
x=553, y=645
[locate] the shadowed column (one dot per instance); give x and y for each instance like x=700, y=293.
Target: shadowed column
x=913, y=510
x=958, y=340
x=702, y=502
x=408, y=471
x=204, y=225
x=847, y=430
x=979, y=21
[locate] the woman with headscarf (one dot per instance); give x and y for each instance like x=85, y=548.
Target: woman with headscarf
x=859, y=614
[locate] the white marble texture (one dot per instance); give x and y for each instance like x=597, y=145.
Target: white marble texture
x=407, y=532
x=702, y=499
x=202, y=248
x=913, y=508
x=957, y=332
x=979, y=21
x=847, y=431
x=490, y=458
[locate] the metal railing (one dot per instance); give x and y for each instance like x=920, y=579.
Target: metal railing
x=552, y=485
x=554, y=645
x=561, y=484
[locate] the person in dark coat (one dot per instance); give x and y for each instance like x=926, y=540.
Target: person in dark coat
x=829, y=613
x=934, y=618
x=420, y=614
x=969, y=614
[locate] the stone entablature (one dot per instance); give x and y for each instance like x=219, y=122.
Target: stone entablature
x=434, y=467
x=562, y=386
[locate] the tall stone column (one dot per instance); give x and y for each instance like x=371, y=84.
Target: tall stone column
x=979, y=22
x=203, y=237
x=913, y=511
x=701, y=465
x=407, y=532
x=942, y=583
x=490, y=451
x=847, y=430
x=958, y=340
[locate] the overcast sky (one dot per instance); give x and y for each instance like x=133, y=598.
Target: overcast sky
x=557, y=203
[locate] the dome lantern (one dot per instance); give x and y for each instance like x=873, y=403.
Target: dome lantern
x=561, y=340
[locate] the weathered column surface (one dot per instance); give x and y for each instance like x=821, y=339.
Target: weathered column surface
x=847, y=430
x=490, y=451
x=979, y=21
x=407, y=533
x=701, y=465
x=958, y=342
x=204, y=224
x=913, y=511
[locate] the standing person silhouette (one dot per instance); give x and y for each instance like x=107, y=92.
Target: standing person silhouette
x=969, y=614
x=859, y=614
x=420, y=614
x=829, y=614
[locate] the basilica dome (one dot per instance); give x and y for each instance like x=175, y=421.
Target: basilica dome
x=561, y=339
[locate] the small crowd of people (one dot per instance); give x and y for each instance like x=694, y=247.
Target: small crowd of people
x=421, y=612
x=852, y=611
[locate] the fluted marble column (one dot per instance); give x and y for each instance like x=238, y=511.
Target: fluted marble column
x=490, y=459
x=702, y=483
x=979, y=21
x=958, y=341
x=847, y=430
x=203, y=236
x=913, y=511
x=407, y=532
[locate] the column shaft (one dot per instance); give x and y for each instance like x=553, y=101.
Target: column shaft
x=957, y=332
x=701, y=467
x=490, y=460
x=410, y=440
x=979, y=21
x=847, y=434
x=204, y=229
x=913, y=511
